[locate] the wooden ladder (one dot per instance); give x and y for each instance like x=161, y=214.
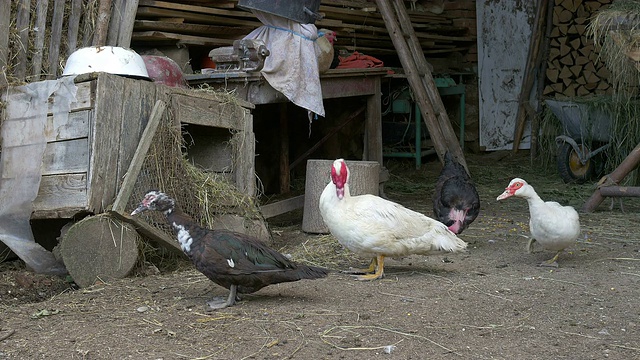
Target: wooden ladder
x=420, y=78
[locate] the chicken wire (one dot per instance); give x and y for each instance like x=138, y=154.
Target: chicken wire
x=201, y=194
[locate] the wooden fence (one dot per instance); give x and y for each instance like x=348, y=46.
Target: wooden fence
x=36, y=36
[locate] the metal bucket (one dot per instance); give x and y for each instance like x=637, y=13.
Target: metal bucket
x=302, y=11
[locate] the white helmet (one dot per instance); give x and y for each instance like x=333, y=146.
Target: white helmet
x=109, y=59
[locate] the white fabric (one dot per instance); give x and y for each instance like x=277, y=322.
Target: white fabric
x=23, y=146
x=292, y=65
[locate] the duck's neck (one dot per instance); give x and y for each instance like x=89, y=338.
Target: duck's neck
x=182, y=225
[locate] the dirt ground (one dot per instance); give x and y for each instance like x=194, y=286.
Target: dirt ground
x=491, y=302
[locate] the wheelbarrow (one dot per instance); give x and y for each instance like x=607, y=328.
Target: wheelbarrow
x=586, y=134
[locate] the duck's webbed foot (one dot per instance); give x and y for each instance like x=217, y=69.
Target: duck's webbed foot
x=221, y=303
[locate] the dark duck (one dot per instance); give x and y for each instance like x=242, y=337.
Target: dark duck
x=455, y=201
x=238, y=262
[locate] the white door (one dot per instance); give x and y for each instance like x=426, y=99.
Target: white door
x=504, y=33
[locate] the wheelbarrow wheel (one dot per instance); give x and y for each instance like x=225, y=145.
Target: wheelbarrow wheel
x=570, y=168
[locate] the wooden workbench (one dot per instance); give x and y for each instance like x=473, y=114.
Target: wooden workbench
x=336, y=83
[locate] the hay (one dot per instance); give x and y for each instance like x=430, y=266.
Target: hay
x=203, y=195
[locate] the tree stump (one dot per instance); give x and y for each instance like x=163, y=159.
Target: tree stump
x=364, y=178
x=99, y=248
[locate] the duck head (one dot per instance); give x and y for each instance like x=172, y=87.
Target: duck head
x=517, y=187
x=340, y=177
x=155, y=201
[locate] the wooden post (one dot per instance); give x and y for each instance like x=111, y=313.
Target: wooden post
x=363, y=179
x=285, y=180
x=533, y=61
x=56, y=39
x=424, y=88
x=22, y=25
x=102, y=27
x=41, y=25
x=628, y=164
x=74, y=26
x=5, y=21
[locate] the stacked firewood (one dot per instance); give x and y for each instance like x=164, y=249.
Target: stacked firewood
x=573, y=66
x=445, y=29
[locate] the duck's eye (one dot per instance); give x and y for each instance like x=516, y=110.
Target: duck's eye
x=518, y=185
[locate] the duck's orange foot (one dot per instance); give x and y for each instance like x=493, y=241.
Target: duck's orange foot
x=368, y=277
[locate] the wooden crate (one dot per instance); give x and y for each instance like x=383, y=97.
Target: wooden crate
x=86, y=158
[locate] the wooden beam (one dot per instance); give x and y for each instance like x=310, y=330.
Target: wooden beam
x=5, y=21
x=628, y=164
x=281, y=207
x=102, y=23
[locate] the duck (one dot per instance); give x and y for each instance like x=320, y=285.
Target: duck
x=554, y=226
x=455, y=199
x=371, y=226
x=241, y=263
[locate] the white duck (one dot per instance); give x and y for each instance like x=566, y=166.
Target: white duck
x=372, y=226
x=554, y=226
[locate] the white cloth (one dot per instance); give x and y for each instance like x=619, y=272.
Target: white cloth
x=23, y=146
x=292, y=65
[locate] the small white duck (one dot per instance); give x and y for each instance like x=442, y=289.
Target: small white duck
x=374, y=227
x=554, y=226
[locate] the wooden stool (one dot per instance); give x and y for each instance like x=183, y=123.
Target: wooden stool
x=363, y=179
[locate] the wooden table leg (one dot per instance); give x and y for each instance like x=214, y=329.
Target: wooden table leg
x=373, y=125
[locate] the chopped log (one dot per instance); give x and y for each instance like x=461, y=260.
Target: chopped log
x=564, y=48
x=363, y=179
x=565, y=73
x=570, y=90
x=552, y=74
x=576, y=70
x=582, y=91
x=99, y=249
x=567, y=60
x=553, y=53
x=575, y=43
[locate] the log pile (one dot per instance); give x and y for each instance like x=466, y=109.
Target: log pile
x=358, y=23
x=573, y=66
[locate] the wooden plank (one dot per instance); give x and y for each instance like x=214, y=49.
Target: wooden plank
x=164, y=37
x=73, y=26
x=41, y=26
x=62, y=157
x=145, y=12
x=282, y=207
x=150, y=232
x=5, y=22
x=105, y=140
x=59, y=192
x=22, y=28
x=117, y=7
x=199, y=111
x=55, y=39
x=138, y=158
x=77, y=126
x=126, y=24
x=225, y=32
x=196, y=9
x=244, y=171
